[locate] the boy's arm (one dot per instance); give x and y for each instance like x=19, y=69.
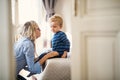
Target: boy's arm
x=66, y=42
x=64, y=54
x=67, y=45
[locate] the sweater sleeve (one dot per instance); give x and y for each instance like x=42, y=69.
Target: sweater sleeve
x=66, y=42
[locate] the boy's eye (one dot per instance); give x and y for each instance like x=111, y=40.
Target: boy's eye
x=53, y=26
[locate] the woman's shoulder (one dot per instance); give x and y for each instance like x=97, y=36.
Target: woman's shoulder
x=25, y=42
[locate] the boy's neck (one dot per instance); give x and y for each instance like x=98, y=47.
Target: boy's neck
x=58, y=31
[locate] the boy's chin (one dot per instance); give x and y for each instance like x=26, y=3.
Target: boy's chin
x=54, y=31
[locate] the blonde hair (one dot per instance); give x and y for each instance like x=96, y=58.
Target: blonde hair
x=56, y=18
x=28, y=30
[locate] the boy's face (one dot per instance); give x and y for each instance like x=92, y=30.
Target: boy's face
x=55, y=27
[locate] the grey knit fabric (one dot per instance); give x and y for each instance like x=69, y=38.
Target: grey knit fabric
x=57, y=69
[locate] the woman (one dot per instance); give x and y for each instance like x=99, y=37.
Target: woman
x=25, y=49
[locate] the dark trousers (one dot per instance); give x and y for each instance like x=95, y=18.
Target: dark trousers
x=19, y=77
x=43, y=54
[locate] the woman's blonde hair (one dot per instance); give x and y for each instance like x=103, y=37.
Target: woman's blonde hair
x=56, y=18
x=28, y=30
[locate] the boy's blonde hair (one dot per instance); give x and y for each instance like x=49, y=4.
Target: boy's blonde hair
x=58, y=19
x=28, y=30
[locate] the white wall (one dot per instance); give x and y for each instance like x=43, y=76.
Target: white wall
x=63, y=8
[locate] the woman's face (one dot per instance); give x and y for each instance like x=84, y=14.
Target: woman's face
x=38, y=32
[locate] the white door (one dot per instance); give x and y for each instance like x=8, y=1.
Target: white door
x=96, y=40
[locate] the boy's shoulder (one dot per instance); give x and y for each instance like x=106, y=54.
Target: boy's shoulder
x=61, y=33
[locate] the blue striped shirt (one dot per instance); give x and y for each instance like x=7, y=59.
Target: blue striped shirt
x=24, y=54
x=60, y=43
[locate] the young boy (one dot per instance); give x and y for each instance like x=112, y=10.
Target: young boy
x=59, y=43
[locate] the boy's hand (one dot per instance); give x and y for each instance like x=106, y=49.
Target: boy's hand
x=64, y=54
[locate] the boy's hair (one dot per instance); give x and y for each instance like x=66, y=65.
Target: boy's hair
x=58, y=19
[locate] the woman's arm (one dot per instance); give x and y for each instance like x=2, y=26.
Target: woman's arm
x=29, y=55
